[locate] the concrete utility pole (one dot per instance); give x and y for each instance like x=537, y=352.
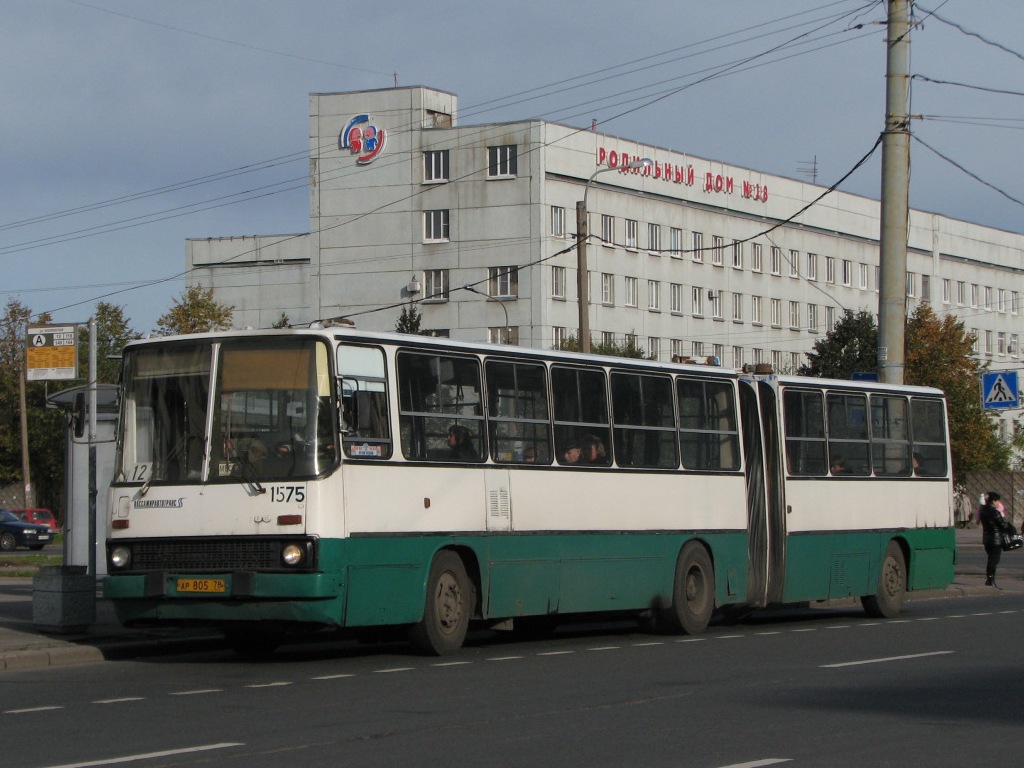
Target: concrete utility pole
x=892, y=295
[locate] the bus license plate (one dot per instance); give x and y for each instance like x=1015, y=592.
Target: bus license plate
x=210, y=586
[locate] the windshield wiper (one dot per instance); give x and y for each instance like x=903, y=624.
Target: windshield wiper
x=178, y=450
x=249, y=475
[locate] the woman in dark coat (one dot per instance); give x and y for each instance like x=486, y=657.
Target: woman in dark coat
x=993, y=527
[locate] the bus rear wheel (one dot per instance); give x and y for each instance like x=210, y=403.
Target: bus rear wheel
x=449, y=604
x=693, y=593
x=892, y=585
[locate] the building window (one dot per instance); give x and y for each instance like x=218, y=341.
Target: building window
x=1013, y=349
x=830, y=318
x=697, y=301
x=794, y=263
x=737, y=307
x=676, y=345
x=631, y=234
x=812, y=317
x=1001, y=343
x=947, y=290
x=697, y=246
x=776, y=256
x=911, y=285
x=698, y=349
x=558, y=337
x=756, y=263
x=756, y=315
x=988, y=342
x=758, y=355
x=812, y=266
x=607, y=288
x=777, y=360
x=653, y=348
x=777, y=313
x=737, y=357
x=926, y=287
x=988, y=297
x=435, y=226
x=737, y=254
x=654, y=239
x=794, y=315
x=718, y=350
x=435, y=285
x=830, y=270
x=878, y=279
x=501, y=161
x=503, y=281
x=607, y=338
x=961, y=293
x=847, y=273
x=435, y=165
x=557, y=221
x=558, y=282
x=974, y=295
x=675, y=293
x=1000, y=300
x=716, y=304
x=794, y=361
x=675, y=242
x=631, y=292
x=607, y=229
x=717, y=250
x=654, y=295
x=503, y=335
x=1013, y=302
x=863, y=277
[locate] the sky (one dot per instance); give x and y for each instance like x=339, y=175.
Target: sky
x=129, y=126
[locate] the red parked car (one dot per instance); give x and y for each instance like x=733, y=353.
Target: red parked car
x=39, y=516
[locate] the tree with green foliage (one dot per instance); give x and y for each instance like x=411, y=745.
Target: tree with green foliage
x=939, y=353
x=195, y=312
x=628, y=348
x=409, y=320
x=45, y=426
x=113, y=331
x=851, y=345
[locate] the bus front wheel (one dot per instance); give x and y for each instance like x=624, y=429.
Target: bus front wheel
x=892, y=585
x=693, y=593
x=448, y=607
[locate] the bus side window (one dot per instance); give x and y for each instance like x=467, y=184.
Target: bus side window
x=708, y=429
x=517, y=411
x=366, y=432
x=580, y=401
x=848, y=447
x=440, y=407
x=890, y=439
x=645, y=434
x=805, y=432
x=927, y=424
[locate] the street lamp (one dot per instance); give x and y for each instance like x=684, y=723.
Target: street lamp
x=472, y=289
x=583, y=284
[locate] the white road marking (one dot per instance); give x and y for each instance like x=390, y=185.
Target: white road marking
x=30, y=709
x=149, y=755
x=605, y=648
x=504, y=658
x=197, y=692
x=450, y=663
x=118, y=701
x=332, y=677
x=393, y=669
x=645, y=645
x=758, y=763
x=556, y=653
x=885, y=659
x=269, y=685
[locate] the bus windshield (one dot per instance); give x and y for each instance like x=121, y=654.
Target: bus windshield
x=236, y=411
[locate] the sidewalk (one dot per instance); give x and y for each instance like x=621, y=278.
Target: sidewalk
x=22, y=646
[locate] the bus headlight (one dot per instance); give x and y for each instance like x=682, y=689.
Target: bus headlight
x=120, y=557
x=292, y=554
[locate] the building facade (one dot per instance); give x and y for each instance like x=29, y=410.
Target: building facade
x=687, y=256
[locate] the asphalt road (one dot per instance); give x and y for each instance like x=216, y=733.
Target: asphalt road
x=941, y=685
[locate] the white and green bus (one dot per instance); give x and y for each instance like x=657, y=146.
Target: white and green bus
x=274, y=481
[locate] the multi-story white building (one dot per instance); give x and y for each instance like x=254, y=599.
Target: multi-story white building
x=689, y=256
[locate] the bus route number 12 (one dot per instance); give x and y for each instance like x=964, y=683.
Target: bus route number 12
x=284, y=494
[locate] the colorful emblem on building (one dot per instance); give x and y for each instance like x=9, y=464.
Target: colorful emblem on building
x=363, y=139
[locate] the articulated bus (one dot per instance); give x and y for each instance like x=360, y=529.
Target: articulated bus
x=275, y=481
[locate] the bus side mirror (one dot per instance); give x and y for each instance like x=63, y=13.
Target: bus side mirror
x=78, y=414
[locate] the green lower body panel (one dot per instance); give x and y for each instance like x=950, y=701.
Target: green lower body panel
x=382, y=580
x=835, y=565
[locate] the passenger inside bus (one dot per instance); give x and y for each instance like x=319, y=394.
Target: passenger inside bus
x=460, y=441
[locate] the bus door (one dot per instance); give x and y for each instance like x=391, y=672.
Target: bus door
x=765, y=500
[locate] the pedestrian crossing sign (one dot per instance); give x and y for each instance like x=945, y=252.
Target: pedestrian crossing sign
x=999, y=390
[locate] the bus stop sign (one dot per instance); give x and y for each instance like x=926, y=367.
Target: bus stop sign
x=51, y=353
x=999, y=390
